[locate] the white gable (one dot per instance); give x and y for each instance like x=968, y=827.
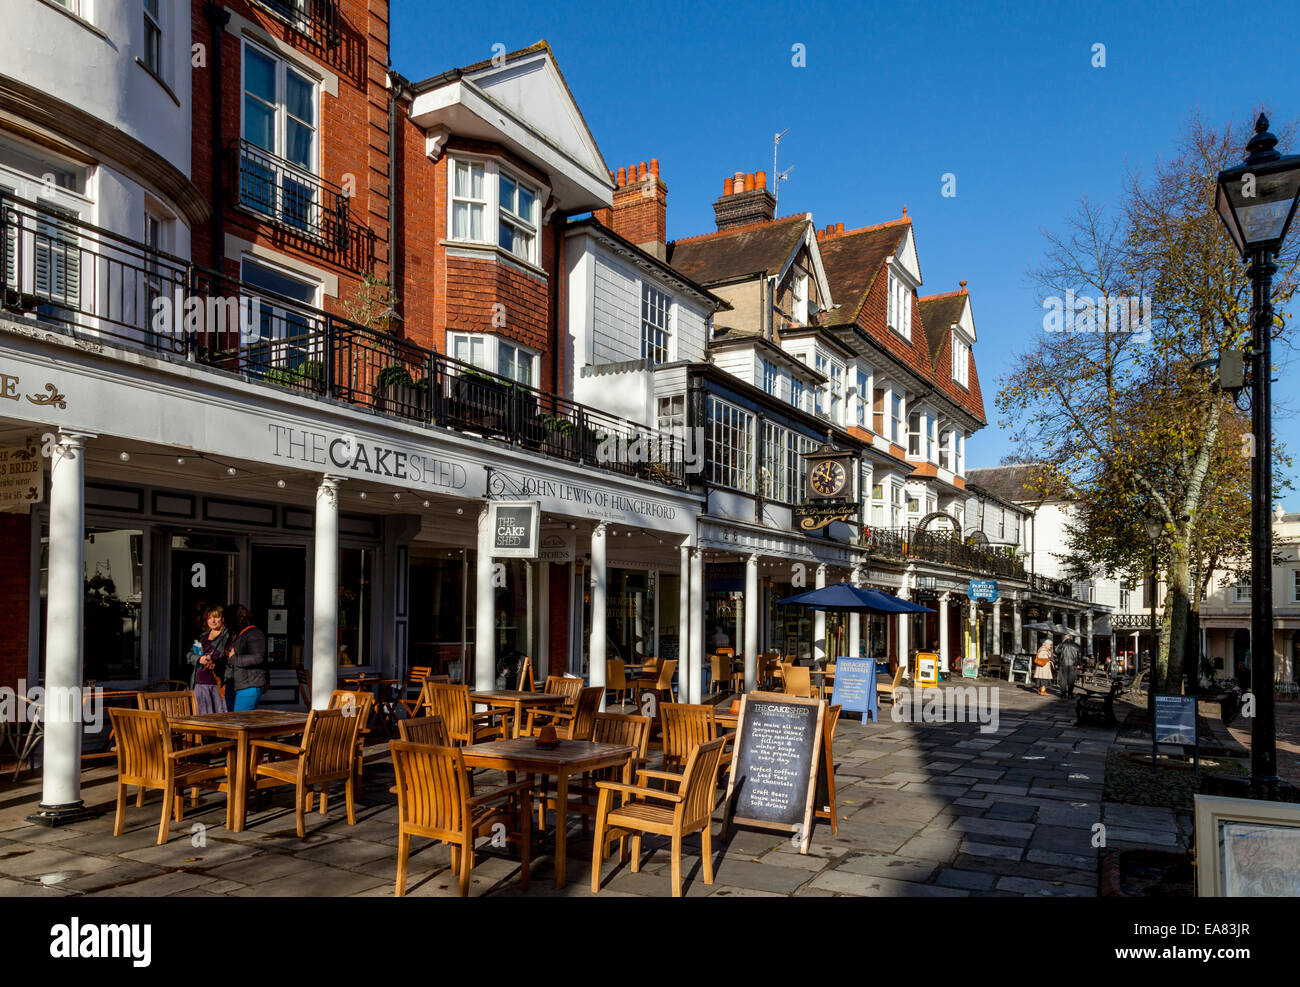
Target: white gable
x=906, y=258
x=531, y=86
x=967, y=321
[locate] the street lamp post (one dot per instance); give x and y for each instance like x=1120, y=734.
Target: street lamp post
x=1257, y=201
x=1154, y=526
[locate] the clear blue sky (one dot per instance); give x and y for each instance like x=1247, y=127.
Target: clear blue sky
x=891, y=98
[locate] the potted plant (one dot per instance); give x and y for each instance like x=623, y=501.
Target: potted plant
x=481, y=400
x=308, y=375
x=396, y=392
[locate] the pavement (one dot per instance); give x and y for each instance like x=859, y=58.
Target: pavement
x=924, y=810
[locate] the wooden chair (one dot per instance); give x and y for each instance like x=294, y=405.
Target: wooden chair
x=415, y=677
x=428, y=730
x=304, y=686
x=434, y=801
x=556, y=685
x=463, y=725
x=649, y=673
x=616, y=679
x=145, y=757
x=327, y=753
x=526, y=675
x=166, y=685
x=356, y=703
x=623, y=730
x=662, y=684
x=719, y=670
x=688, y=810
x=798, y=682
x=889, y=688
x=172, y=704
x=683, y=727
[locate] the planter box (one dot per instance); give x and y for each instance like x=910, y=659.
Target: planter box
x=405, y=400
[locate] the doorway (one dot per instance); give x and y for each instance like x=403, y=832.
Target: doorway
x=204, y=570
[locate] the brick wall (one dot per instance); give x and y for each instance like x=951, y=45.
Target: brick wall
x=15, y=598
x=352, y=139
x=640, y=211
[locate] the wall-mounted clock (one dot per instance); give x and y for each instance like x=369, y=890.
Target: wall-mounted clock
x=827, y=477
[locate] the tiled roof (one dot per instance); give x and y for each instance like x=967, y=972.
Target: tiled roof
x=1019, y=483
x=939, y=312
x=714, y=257
x=852, y=260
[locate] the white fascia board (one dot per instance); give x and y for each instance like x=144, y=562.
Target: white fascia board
x=464, y=108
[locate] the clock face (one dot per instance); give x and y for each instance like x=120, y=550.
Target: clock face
x=827, y=478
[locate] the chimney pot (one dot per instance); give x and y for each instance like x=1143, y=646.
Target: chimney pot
x=963, y=287
x=641, y=172
x=726, y=185
x=749, y=182
x=738, y=185
x=622, y=177
x=839, y=227
x=654, y=167
x=760, y=179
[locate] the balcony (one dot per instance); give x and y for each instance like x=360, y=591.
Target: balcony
x=288, y=196
x=87, y=281
x=945, y=548
x=316, y=20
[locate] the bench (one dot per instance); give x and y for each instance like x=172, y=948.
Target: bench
x=1094, y=707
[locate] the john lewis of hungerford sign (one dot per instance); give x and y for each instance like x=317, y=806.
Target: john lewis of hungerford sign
x=514, y=527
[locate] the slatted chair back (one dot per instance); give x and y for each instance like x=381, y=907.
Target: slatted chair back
x=169, y=703
x=304, y=687
x=451, y=703
x=424, y=730
x=729, y=652
x=330, y=741
x=587, y=707
x=143, y=744
x=432, y=789
x=355, y=703
x=559, y=685
x=684, y=727
x=623, y=730
x=797, y=681
x=699, y=783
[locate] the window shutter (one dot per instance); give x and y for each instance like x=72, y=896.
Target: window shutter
x=58, y=259
x=10, y=245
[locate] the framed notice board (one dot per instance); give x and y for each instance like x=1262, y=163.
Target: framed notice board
x=774, y=772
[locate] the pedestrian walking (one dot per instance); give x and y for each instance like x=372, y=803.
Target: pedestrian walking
x=246, y=673
x=209, y=660
x=1043, y=666
x=1067, y=655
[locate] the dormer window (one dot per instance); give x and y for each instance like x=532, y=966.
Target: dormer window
x=900, y=307
x=800, y=307
x=960, y=360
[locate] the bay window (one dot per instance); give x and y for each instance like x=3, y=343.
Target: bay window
x=731, y=434
x=152, y=57
x=498, y=356
x=490, y=205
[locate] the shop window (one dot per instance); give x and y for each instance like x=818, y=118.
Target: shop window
x=356, y=606
x=438, y=630
x=113, y=618
x=278, y=600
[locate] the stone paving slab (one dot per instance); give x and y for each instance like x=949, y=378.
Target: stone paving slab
x=924, y=810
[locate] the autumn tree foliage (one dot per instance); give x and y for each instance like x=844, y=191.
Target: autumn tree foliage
x=1127, y=413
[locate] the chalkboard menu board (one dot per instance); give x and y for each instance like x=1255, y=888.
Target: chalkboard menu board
x=1021, y=667
x=855, y=686
x=774, y=771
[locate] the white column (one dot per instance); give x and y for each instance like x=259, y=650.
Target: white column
x=1090, y=645
x=1017, y=631
x=819, y=620
x=688, y=689
x=997, y=627
x=904, y=623
x=684, y=610
x=485, y=618
x=530, y=604
x=596, y=648
x=752, y=606
x=542, y=659
x=945, y=645
x=61, y=774
x=325, y=594
x=855, y=620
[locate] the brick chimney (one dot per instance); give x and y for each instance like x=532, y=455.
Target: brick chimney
x=745, y=200
x=640, y=212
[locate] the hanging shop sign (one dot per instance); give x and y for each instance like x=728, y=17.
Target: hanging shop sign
x=515, y=527
x=558, y=546
x=983, y=589
x=818, y=514
x=22, y=476
x=595, y=500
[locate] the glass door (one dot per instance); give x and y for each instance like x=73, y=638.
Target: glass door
x=203, y=574
x=278, y=600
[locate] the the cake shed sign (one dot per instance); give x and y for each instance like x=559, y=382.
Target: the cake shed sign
x=515, y=527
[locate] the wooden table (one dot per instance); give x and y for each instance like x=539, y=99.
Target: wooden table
x=243, y=728
x=516, y=701
x=570, y=757
x=383, y=708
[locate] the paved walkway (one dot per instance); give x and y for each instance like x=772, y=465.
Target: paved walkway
x=925, y=809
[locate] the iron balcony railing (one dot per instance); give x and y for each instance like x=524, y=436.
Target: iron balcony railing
x=317, y=20
x=94, y=283
x=287, y=195
x=942, y=547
